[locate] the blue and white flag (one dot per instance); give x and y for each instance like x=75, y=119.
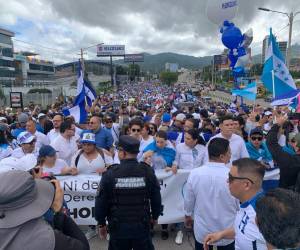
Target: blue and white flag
x=275, y=67
x=288, y=99
x=85, y=96
x=249, y=92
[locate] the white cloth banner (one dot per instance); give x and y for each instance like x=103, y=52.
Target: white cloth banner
x=80, y=192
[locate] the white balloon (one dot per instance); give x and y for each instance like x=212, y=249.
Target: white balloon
x=218, y=11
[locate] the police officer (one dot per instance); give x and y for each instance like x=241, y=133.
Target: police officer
x=126, y=195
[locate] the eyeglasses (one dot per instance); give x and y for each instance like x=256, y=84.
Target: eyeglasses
x=92, y=123
x=135, y=130
x=108, y=121
x=231, y=178
x=254, y=138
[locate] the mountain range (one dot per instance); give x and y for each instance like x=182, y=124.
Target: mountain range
x=156, y=63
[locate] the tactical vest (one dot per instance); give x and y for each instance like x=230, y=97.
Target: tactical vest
x=130, y=197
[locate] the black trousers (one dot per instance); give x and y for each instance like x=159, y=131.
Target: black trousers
x=199, y=246
x=129, y=244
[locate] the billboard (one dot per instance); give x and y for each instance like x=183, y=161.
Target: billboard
x=110, y=50
x=134, y=58
x=16, y=100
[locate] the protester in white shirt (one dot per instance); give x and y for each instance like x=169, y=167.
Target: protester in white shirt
x=47, y=160
x=65, y=144
x=41, y=139
x=208, y=198
x=53, y=133
x=237, y=144
x=245, y=183
x=90, y=159
x=26, y=141
x=146, y=139
x=190, y=154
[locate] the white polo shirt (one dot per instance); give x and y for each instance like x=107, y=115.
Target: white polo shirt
x=237, y=146
x=65, y=148
x=247, y=235
x=207, y=196
x=188, y=158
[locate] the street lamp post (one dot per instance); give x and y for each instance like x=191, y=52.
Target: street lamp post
x=291, y=20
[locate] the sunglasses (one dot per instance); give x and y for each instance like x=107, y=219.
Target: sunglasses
x=32, y=142
x=254, y=138
x=231, y=178
x=135, y=130
x=108, y=121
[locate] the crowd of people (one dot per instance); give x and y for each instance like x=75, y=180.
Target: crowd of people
x=244, y=162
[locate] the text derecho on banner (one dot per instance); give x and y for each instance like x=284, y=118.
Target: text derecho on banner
x=80, y=192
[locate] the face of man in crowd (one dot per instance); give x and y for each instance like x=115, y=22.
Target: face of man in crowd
x=28, y=148
x=108, y=122
x=57, y=120
x=157, y=120
x=50, y=160
x=160, y=142
x=236, y=125
x=188, y=125
x=135, y=131
x=94, y=123
x=227, y=128
x=71, y=131
x=189, y=141
x=238, y=185
x=179, y=124
x=256, y=140
x=145, y=132
x=30, y=127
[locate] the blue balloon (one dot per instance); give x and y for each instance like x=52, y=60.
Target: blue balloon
x=232, y=37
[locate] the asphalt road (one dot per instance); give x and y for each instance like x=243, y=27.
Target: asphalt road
x=159, y=244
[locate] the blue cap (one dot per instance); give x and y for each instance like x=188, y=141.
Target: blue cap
x=47, y=150
x=166, y=117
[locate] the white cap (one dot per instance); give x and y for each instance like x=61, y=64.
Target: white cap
x=267, y=113
x=41, y=115
x=25, y=137
x=180, y=117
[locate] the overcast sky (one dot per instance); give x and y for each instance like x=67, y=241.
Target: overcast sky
x=57, y=29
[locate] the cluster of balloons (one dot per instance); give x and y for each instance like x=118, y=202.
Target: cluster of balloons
x=221, y=12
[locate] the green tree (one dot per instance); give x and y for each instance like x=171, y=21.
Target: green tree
x=168, y=77
x=134, y=70
x=121, y=70
x=256, y=69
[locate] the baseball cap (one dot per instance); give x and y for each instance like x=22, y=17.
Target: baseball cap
x=47, y=150
x=129, y=144
x=166, y=117
x=23, y=118
x=180, y=117
x=256, y=131
x=41, y=115
x=267, y=113
x=88, y=138
x=25, y=137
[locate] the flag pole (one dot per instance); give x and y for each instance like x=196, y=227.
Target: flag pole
x=273, y=83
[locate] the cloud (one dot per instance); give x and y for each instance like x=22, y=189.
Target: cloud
x=143, y=26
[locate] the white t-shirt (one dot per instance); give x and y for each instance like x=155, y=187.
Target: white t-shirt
x=52, y=134
x=237, y=146
x=187, y=158
x=41, y=140
x=56, y=169
x=86, y=166
x=65, y=148
x=247, y=235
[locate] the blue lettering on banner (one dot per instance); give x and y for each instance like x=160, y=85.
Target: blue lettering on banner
x=244, y=222
x=229, y=4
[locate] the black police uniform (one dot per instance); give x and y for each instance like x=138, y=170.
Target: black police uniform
x=128, y=197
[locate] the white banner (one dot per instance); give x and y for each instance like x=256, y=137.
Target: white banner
x=110, y=50
x=80, y=194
